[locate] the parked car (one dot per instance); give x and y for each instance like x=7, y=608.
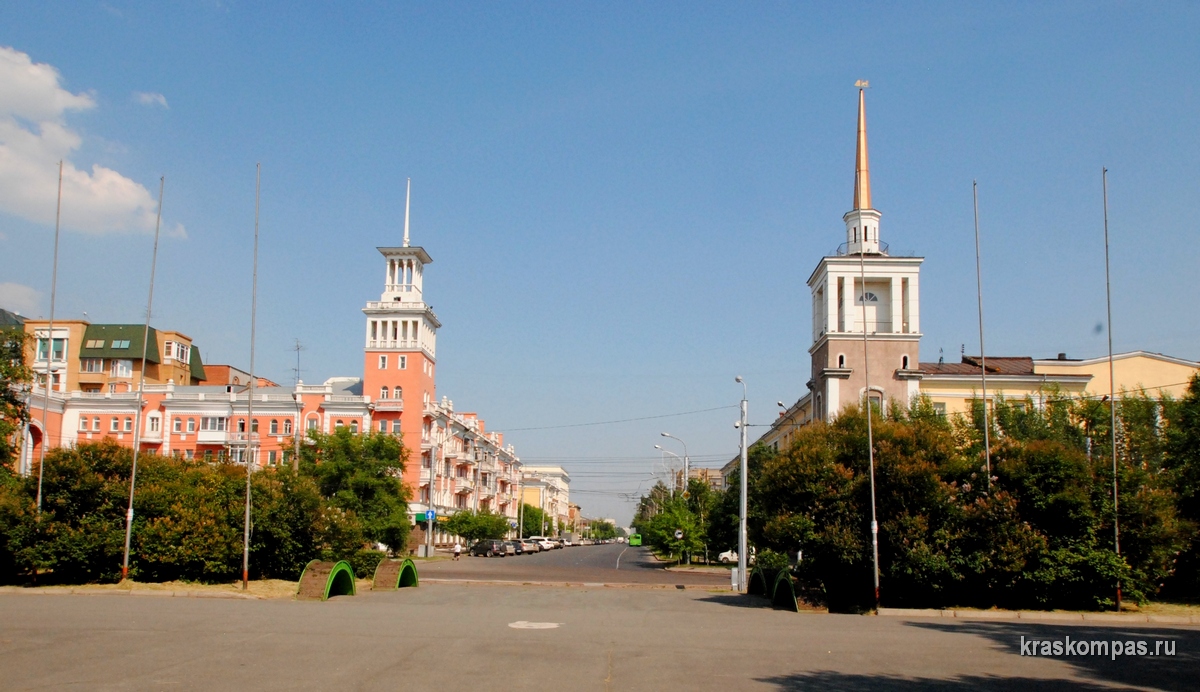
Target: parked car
x=528, y=546
x=513, y=547
x=545, y=544
x=731, y=556
x=488, y=548
x=565, y=542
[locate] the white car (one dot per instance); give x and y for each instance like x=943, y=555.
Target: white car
x=731, y=556
x=545, y=544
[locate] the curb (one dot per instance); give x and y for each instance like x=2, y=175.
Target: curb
x=568, y=584
x=1034, y=616
x=64, y=591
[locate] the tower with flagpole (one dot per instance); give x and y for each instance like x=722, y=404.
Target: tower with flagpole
x=863, y=291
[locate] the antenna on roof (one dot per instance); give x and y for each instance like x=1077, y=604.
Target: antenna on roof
x=941, y=356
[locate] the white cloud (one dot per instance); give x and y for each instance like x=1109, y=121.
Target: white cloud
x=19, y=298
x=147, y=98
x=34, y=137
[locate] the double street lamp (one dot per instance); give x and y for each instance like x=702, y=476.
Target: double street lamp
x=674, y=483
x=686, y=465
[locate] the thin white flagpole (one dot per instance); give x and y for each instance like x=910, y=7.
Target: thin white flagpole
x=987, y=441
x=49, y=348
x=137, y=430
x=249, y=446
x=1112, y=384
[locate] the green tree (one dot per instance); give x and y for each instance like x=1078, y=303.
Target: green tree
x=15, y=378
x=476, y=526
x=360, y=473
x=532, y=521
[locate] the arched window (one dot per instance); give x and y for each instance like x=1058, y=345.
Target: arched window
x=274, y=426
x=841, y=360
x=339, y=424
x=383, y=392
x=869, y=297
x=904, y=363
x=287, y=427
x=312, y=423
x=354, y=426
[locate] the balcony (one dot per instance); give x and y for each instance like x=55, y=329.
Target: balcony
x=392, y=343
x=463, y=486
x=425, y=477
x=389, y=404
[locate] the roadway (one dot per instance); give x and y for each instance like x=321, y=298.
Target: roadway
x=468, y=637
x=614, y=563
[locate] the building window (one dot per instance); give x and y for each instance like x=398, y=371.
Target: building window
x=178, y=424
x=383, y=393
x=114, y=424
x=94, y=343
x=287, y=427
x=120, y=343
x=939, y=408
x=168, y=350
x=382, y=426
x=189, y=454
x=153, y=424
x=312, y=423
x=869, y=297
x=403, y=362
x=354, y=427
x=96, y=424
x=83, y=424
x=339, y=424
x=383, y=362
x=128, y=425
x=904, y=363
x=254, y=426
x=398, y=394
x=274, y=426
x=191, y=427
x=396, y=427
x=211, y=424
x=122, y=367
x=841, y=360
x=91, y=365
x=272, y=456
x=60, y=349
x=182, y=352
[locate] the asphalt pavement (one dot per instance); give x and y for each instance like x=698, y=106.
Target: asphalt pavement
x=614, y=564
x=476, y=637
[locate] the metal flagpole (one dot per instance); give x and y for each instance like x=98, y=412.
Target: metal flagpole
x=249, y=446
x=137, y=430
x=987, y=442
x=862, y=272
x=299, y=413
x=743, y=549
x=49, y=348
x=1112, y=383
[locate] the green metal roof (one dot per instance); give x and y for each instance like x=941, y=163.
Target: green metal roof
x=119, y=341
x=196, y=366
x=10, y=319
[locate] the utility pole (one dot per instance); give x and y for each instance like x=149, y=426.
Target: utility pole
x=987, y=440
x=1112, y=386
x=299, y=411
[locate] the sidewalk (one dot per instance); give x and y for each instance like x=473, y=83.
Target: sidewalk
x=1042, y=616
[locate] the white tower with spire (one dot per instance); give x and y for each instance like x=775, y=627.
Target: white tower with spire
x=862, y=288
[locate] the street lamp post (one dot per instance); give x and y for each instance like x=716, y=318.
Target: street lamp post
x=742, y=506
x=686, y=465
x=660, y=448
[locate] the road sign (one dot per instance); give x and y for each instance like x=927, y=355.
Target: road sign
x=678, y=534
x=430, y=515
x=513, y=524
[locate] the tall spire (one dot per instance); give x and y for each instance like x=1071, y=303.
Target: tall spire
x=862, y=170
x=408, y=196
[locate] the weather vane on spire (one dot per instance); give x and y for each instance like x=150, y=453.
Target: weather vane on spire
x=862, y=84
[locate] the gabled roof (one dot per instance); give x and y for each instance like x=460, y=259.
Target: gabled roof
x=10, y=319
x=104, y=335
x=970, y=365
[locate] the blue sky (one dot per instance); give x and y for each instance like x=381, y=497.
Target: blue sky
x=623, y=200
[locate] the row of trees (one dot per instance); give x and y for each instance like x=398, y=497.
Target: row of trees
x=1039, y=534
x=346, y=499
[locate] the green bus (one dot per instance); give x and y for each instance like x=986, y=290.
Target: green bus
x=635, y=539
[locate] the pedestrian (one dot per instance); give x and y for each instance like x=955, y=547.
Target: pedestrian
x=457, y=550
